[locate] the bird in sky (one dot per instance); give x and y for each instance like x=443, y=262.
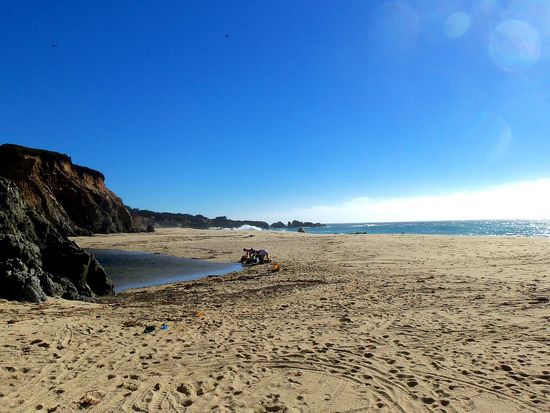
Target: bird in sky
x=227, y=35
x=54, y=45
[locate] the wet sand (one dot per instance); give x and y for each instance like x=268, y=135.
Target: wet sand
x=352, y=323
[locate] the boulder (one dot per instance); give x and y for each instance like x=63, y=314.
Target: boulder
x=150, y=228
x=37, y=260
x=19, y=282
x=303, y=230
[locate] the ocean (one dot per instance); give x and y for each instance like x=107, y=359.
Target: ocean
x=524, y=228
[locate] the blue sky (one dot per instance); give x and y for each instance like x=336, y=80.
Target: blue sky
x=307, y=106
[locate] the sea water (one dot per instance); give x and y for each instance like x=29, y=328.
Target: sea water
x=479, y=227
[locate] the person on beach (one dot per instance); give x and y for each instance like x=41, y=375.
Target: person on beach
x=248, y=256
x=252, y=256
x=249, y=252
x=263, y=255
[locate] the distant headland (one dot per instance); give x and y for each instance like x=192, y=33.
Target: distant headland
x=144, y=218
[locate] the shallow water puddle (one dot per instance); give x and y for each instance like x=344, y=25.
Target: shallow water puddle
x=141, y=269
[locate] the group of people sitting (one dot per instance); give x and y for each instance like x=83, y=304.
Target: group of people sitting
x=252, y=256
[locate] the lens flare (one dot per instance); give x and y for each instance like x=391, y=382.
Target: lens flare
x=436, y=11
x=534, y=12
x=395, y=28
x=486, y=6
x=503, y=139
x=514, y=46
x=496, y=132
x=457, y=24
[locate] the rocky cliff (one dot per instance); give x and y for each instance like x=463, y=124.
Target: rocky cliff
x=36, y=260
x=72, y=197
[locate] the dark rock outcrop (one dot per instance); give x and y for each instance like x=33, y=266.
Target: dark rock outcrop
x=307, y=224
x=296, y=224
x=36, y=260
x=72, y=197
x=278, y=225
x=302, y=230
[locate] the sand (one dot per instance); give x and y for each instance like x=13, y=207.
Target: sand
x=352, y=323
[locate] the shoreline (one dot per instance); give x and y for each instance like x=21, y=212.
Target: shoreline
x=386, y=323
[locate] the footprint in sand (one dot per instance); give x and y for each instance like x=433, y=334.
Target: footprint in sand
x=186, y=389
x=428, y=400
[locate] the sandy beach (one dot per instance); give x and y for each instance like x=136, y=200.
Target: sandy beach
x=351, y=323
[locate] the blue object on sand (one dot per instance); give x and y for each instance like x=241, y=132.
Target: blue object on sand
x=164, y=326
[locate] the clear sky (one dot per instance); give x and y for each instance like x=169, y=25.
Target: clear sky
x=325, y=110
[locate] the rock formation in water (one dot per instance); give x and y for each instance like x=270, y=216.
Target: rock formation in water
x=36, y=260
x=72, y=197
x=307, y=224
x=296, y=224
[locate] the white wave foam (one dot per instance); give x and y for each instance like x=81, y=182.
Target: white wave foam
x=248, y=228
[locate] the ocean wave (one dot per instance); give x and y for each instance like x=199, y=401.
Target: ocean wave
x=363, y=225
x=248, y=228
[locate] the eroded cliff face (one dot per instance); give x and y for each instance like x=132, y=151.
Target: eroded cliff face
x=72, y=197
